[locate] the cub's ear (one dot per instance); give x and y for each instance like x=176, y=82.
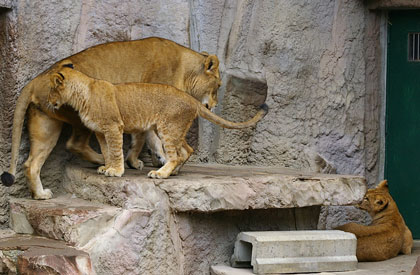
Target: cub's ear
x=381, y=203
x=57, y=79
x=383, y=185
x=211, y=65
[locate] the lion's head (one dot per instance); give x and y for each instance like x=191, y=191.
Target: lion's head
x=61, y=89
x=204, y=83
x=377, y=200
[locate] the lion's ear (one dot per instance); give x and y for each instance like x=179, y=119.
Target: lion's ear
x=383, y=185
x=211, y=65
x=69, y=65
x=381, y=204
x=66, y=63
x=57, y=79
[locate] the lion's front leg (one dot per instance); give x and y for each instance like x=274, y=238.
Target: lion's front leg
x=114, y=167
x=104, y=149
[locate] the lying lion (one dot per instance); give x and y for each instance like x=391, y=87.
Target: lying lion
x=109, y=110
x=387, y=235
x=150, y=60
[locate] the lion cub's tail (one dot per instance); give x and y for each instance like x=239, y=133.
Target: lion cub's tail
x=8, y=178
x=207, y=114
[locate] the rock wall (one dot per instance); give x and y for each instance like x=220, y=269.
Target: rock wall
x=315, y=63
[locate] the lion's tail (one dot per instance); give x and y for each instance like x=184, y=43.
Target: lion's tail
x=22, y=104
x=207, y=114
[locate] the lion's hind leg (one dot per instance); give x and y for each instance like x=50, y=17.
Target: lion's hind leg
x=407, y=242
x=171, y=141
x=185, y=153
x=78, y=144
x=137, y=143
x=43, y=134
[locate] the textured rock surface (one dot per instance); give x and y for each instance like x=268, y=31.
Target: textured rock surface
x=6, y=4
x=210, y=188
x=25, y=254
x=72, y=220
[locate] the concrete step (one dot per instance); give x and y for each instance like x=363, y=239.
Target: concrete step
x=401, y=265
x=28, y=255
x=295, y=251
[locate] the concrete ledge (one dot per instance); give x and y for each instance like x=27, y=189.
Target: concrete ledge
x=212, y=188
x=295, y=251
x=402, y=264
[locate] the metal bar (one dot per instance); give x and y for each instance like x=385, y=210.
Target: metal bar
x=413, y=45
x=410, y=46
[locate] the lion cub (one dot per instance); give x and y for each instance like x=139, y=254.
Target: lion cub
x=109, y=110
x=387, y=235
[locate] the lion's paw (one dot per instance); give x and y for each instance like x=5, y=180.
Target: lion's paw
x=101, y=170
x=157, y=175
x=112, y=172
x=136, y=164
x=46, y=194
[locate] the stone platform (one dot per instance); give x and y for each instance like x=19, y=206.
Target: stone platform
x=212, y=188
x=181, y=225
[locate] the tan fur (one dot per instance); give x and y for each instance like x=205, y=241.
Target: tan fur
x=387, y=235
x=151, y=60
x=109, y=110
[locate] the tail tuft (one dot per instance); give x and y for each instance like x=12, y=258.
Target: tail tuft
x=7, y=179
x=264, y=107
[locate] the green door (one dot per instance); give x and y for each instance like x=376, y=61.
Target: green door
x=402, y=147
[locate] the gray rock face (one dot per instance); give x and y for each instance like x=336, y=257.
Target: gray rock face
x=317, y=64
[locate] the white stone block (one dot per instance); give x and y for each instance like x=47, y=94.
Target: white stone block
x=295, y=251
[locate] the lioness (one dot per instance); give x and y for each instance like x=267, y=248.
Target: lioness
x=109, y=110
x=151, y=60
x=387, y=235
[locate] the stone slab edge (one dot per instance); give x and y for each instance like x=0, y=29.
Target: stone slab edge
x=213, y=190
